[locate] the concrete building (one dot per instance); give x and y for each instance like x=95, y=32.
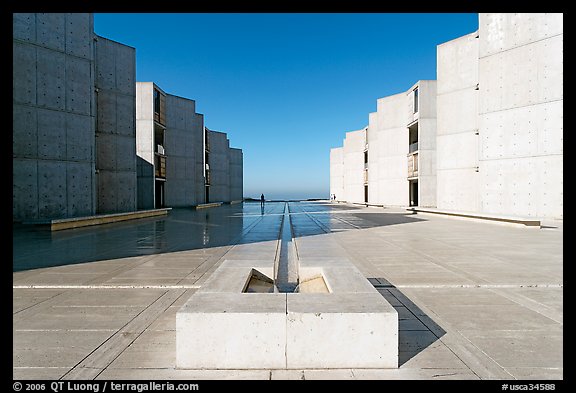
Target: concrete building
x=180, y=162
x=485, y=138
x=392, y=160
x=500, y=117
x=170, y=149
x=224, y=178
x=73, y=119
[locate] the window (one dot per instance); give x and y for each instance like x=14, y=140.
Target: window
x=415, y=100
x=156, y=101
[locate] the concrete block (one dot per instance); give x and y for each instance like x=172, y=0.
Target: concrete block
x=457, y=111
x=51, y=134
x=79, y=178
x=232, y=331
x=549, y=120
x=79, y=31
x=80, y=138
x=50, y=30
x=51, y=79
x=24, y=189
x=52, y=189
x=24, y=131
x=23, y=73
x=341, y=331
x=78, y=85
x=24, y=26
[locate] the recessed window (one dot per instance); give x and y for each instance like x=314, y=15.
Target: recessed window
x=415, y=100
x=156, y=101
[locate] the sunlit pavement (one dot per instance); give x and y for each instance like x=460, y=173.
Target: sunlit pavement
x=476, y=300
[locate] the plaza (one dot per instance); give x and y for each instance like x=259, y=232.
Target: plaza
x=475, y=299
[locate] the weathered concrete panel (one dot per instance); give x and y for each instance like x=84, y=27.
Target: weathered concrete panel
x=25, y=132
x=125, y=115
x=125, y=64
x=107, y=192
x=458, y=189
x=106, y=113
x=106, y=152
x=24, y=189
x=51, y=79
x=126, y=191
x=78, y=85
x=51, y=134
x=50, y=30
x=79, y=180
x=457, y=111
x=79, y=31
x=52, y=189
x=24, y=73
x=457, y=64
x=80, y=138
x=125, y=154
x=24, y=26
x=504, y=31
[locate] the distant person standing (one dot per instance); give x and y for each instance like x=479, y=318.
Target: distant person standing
x=262, y=200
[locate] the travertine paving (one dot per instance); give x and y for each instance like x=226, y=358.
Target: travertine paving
x=476, y=300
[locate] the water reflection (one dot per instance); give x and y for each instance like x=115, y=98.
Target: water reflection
x=186, y=229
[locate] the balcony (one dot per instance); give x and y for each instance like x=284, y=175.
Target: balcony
x=160, y=165
x=413, y=165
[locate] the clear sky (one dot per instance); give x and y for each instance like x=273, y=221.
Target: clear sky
x=285, y=87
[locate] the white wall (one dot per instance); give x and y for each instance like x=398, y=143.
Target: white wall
x=354, y=144
x=388, y=149
x=457, y=144
x=520, y=114
x=337, y=173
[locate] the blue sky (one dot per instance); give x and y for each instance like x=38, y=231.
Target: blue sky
x=285, y=87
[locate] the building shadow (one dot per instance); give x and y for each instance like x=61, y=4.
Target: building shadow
x=416, y=330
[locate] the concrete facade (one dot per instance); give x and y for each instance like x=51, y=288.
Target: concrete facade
x=170, y=149
x=236, y=162
x=383, y=162
x=500, y=115
x=337, y=172
x=218, y=166
x=489, y=131
x=58, y=163
x=178, y=158
x=115, y=66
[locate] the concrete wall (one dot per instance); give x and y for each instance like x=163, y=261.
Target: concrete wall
x=184, y=148
x=426, y=142
x=500, y=145
x=219, y=167
x=53, y=116
x=387, y=150
x=337, y=173
x=236, y=174
x=115, y=82
x=145, y=144
x=520, y=108
x=353, y=150
x=457, y=138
